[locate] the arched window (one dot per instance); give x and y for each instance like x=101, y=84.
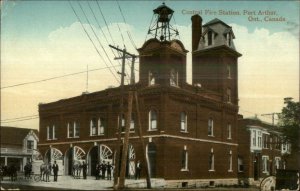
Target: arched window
x=173, y=78
x=184, y=160
x=151, y=79
x=228, y=95
x=211, y=160
x=101, y=126
x=230, y=161
x=152, y=120
x=93, y=126
x=228, y=130
x=210, y=127
x=183, y=121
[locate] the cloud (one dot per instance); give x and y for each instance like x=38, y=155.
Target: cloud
x=269, y=66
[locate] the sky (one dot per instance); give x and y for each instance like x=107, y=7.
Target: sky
x=41, y=41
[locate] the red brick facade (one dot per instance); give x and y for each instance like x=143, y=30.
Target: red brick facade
x=195, y=128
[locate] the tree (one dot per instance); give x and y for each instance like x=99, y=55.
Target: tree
x=289, y=122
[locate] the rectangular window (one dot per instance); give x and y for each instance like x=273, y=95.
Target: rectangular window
x=265, y=164
x=93, y=127
x=30, y=144
x=265, y=141
x=76, y=129
x=51, y=132
x=228, y=95
x=228, y=131
x=152, y=120
x=228, y=71
x=277, y=163
x=240, y=164
x=254, y=138
x=259, y=139
x=230, y=161
x=183, y=122
x=184, y=161
x=210, y=127
x=209, y=37
x=211, y=162
x=70, y=130
x=101, y=126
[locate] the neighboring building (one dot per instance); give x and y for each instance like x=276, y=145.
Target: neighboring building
x=190, y=131
x=261, y=150
x=18, y=145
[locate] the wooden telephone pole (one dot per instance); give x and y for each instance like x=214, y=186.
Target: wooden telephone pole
x=273, y=115
x=119, y=177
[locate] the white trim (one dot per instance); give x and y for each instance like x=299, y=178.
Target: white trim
x=148, y=136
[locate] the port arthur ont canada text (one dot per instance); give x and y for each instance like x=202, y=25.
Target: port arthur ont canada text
x=253, y=15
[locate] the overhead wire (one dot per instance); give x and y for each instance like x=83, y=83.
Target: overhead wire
x=56, y=77
x=92, y=41
x=96, y=36
x=110, y=34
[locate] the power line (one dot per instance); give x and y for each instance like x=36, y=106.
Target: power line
x=47, y=79
x=92, y=41
x=103, y=33
x=31, y=118
x=96, y=35
x=19, y=118
x=128, y=33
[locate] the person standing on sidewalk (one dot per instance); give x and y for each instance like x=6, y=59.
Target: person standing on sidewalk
x=103, y=170
x=138, y=169
x=55, y=171
x=109, y=168
x=84, y=168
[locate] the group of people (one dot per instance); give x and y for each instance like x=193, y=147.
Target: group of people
x=103, y=169
x=10, y=171
x=46, y=170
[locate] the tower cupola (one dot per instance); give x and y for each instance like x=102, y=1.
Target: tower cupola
x=161, y=28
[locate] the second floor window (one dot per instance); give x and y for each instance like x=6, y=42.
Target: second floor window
x=51, y=132
x=73, y=129
x=210, y=127
x=183, y=121
x=151, y=79
x=173, y=78
x=228, y=131
x=30, y=144
x=97, y=126
x=228, y=71
x=228, y=95
x=230, y=161
x=152, y=120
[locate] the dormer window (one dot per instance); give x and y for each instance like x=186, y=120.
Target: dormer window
x=209, y=37
x=173, y=78
x=228, y=39
x=151, y=79
x=228, y=71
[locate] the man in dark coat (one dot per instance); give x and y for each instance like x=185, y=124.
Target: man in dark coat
x=55, y=171
x=138, y=169
x=84, y=168
x=109, y=168
x=103, y=170
x=97, y=171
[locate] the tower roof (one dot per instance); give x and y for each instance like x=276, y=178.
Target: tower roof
x=163, y=7
x=214, y=21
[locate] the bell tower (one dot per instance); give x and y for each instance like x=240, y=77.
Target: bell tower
x=214, y=58
x=162, y=57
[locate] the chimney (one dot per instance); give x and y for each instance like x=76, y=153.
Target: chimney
x=196, y=31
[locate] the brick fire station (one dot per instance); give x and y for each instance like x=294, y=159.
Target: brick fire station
x=190, y=130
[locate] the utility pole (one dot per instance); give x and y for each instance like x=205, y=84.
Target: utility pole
x=273, y=115
x=119, y=183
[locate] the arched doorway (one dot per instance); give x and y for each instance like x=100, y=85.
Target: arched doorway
x=100, y=153
x=130, y=165
x=74, y=155
x=53, y=154
x=93, y=158
x=151, y=156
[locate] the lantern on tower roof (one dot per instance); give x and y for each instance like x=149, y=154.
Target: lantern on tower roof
x=161, y=28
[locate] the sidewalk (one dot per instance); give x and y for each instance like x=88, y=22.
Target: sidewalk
x=68, y=182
